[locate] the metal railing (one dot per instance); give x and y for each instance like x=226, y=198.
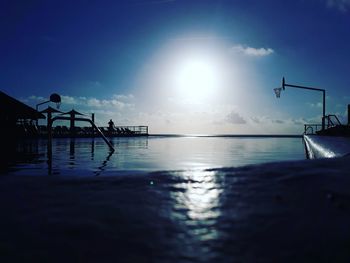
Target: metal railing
x=94, y=128
x=329, y=121
x=312, y=128
x=126, y=130
x=64, y=131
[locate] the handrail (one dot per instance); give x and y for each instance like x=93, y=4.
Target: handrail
x=313, y=127
x=307, y=128
x=122, y=130
x=329, y=120
x=79, y=119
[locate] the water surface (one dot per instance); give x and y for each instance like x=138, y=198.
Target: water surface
x=123, y=207
x=87, y=156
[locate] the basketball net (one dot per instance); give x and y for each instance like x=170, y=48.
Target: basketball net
x=277, y=92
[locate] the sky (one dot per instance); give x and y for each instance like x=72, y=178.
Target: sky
x=180, y=66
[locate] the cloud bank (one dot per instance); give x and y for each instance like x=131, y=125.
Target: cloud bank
x=251, y=51
x=116, y=102
x=235, y=118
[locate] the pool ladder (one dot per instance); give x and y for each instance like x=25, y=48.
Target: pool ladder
x=79, y=119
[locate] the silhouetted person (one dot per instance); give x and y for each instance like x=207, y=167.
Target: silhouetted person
x=110, y=125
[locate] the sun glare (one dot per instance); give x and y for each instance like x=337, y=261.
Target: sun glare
x=196, y=79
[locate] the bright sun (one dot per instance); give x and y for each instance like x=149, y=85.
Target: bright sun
x=196, y=79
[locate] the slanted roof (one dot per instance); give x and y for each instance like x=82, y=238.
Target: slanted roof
x=14, y=109
x=72, y=112
x=49, y=109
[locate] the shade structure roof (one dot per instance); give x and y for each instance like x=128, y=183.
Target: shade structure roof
x=72, y=112
x=14, y=109
x=49, y=109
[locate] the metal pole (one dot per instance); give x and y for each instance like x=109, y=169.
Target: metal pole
x=49, y=131
x=309, y=88
x=72, y=125
x=324, y=110
x=301, y=87
x=92, y=127
x=37, y=107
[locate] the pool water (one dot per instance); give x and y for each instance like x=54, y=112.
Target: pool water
x=91, y=156
x=170, y=199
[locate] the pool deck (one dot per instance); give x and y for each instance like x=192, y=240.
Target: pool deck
x=320, y=146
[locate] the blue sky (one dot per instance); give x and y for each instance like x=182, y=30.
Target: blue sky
x=180, y=66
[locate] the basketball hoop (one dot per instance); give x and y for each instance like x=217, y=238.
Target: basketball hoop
x=277, y=92
x=56, y=99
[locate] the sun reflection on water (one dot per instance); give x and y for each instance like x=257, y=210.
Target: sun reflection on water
x=198, y=198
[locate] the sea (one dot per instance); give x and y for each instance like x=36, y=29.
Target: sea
x=173, y=199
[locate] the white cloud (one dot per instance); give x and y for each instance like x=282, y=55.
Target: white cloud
x=267, y=120
x=342, y=5
x=261, y=120
x=255, y=119
x=123, y=97
x=235, y=118
x=300, y=121
x=93, y=102
x=251, y=51
x=116, y=102
x=69, y=100
x=315, y=105
x=37, y=98
x=119, y=104
x=278, y=121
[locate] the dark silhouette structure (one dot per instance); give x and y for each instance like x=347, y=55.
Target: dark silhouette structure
x=17, y=119
x=331, y=125
x=72, y=118
x=49, y=111
x=284, y=85
x=54, y=97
